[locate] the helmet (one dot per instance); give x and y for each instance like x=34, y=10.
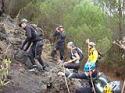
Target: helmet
x=60, y=26
x=92, y=44
x=34, y=25
x=24, y=20
x=89, y=66
x=70, y=44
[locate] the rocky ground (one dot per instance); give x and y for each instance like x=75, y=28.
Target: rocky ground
x=23, y=81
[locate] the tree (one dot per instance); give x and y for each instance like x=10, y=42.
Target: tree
x=115, y=9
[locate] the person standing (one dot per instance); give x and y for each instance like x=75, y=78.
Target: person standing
x=60, y=43
x=92, y=52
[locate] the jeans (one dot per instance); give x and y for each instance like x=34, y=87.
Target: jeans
x=84, y=90
x=61, y=51
x=83, y=75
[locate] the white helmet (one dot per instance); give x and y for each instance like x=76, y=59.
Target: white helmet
x=34, y=25
x=24, y=20
x=70, y=44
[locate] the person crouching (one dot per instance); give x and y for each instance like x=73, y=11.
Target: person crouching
x=76, y=55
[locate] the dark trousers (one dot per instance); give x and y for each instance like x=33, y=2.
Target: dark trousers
x=35, y=52
x=27, y=46
x=84, y=90
x=61, y=52
x=83, y=75
x=72, y=66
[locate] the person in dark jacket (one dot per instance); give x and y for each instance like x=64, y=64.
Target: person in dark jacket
x=33, y=43
x=60, y=44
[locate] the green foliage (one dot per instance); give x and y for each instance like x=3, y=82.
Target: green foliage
x=104, y=42
x=88, y=21
x=12, y=7
x=81, y=19
x=115, y=10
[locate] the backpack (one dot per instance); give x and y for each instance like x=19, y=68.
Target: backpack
x=80, y=53
x=34, y=32
x=38, y=31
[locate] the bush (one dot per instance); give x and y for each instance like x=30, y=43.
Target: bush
x=4, y=72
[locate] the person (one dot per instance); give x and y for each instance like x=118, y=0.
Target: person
x=76, y=55
x=60, y=44
x=92, y=52
x=33, y=43
x=27, y=42
x=92, y=80
x=89, y=72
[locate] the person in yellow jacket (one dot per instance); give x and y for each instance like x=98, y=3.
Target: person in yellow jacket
x=92, y=52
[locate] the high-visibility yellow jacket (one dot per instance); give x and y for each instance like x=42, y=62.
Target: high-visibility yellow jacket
x=93, y=55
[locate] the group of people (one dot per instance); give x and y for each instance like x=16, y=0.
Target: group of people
x=89, y=69
x=75, y=55
x=34, y=43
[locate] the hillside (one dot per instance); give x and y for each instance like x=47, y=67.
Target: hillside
x=100, y=21
x=21, y=80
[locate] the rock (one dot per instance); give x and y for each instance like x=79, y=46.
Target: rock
x=22, y=57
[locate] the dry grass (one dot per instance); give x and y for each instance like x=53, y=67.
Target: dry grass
x=4, y=72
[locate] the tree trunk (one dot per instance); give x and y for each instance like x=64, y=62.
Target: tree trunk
x=1, y=7
x=120, y=20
